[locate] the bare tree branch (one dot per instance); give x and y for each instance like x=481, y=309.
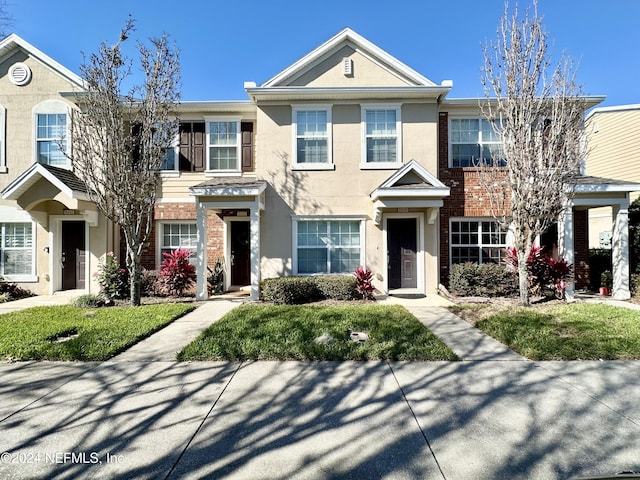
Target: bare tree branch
x=537, y=111
x=120, y=139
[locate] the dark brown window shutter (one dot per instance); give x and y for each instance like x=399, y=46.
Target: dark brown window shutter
x=192, y=145
x=247, y=146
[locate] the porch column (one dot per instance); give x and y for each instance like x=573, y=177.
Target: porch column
x=620, y=250
x=201, y=251
x=255, y=253
x=566, y=248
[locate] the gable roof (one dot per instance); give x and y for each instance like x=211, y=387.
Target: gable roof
x=64, y=180
x=359, y=43
x=411, y=180
x=13, y=42
x=283, y=85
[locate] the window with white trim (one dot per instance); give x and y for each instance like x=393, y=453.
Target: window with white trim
x=223, y=145
x=381, y=136
x=477, y=241
x=51, y=125
x=3, y=136
x=175, y=236
x=471, y=141
x=312, y=136
x=16, y=250
x=328, y=246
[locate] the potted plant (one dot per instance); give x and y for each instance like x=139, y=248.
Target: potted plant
x=606, y=282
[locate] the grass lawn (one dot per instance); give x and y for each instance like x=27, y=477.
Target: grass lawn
x=73, y=333
x=287, y=332
x=576, y=331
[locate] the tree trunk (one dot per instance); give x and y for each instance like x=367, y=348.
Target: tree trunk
x=523, y=278
x=135, y=272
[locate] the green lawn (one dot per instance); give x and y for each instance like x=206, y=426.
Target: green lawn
x=256, y=332
x=567, y=332
x=91, y=334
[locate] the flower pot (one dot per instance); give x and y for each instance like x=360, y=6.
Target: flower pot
x=604, y=291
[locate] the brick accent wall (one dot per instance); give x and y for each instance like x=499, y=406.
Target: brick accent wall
x=468, y=199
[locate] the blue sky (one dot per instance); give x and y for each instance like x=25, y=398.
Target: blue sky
x=224, y=44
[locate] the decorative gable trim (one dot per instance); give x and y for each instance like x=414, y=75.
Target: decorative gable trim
x=63, y=180
x=13, y=42
x=358, y=43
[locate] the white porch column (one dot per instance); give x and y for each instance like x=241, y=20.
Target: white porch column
x=255, y=253
x=620, y=250
x=201, y=249
x=566, y=248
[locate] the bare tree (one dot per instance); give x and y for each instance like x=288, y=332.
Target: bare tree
x=121, y=138
x=537, y=112
x=6, y=20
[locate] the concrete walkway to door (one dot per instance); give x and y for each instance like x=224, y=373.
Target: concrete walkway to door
x=58, y=298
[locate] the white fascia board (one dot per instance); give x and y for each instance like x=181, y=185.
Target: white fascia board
x=226, y=191
x=431, y=193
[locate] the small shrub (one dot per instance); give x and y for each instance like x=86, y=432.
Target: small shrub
x=484, y=280
x=635, y=285
x=149, y=283
x=364, y=284
x=606, y=279
x=337, y=287
x=215, y=280
x=290, y=290
x=11, y=291
x=177, y=274
x=89, y=301
x=113, y=280
x=544, y=271
x=3, y=298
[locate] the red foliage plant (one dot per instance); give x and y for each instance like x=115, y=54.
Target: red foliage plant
x=364, y=284
x=177, y=274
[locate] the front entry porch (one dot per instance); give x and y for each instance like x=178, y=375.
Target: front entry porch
x=243, y=202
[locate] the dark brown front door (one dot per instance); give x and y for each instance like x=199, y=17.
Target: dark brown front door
x=74, y=255
x=240, y=253
x=402, y=248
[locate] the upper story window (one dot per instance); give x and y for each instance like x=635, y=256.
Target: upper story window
x=223, y=142
x=381, y=127
x=51, y=133
x=472, y=141
x=312, y=137
x=3, y=136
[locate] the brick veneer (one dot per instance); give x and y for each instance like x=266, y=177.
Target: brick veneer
x=468, y=199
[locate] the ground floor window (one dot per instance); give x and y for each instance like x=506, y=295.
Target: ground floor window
x=178, y=235
x=16, y=249
x=328, y=246
x=477, y=241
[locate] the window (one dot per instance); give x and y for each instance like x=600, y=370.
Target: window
x=381, y=129
x=3, y=136
x=16, y=249
x=223, y=145
x=477, y=241
x=178, y=235
x=472, y=140
x=51, y=131
x=328, y=246
x=312, y=137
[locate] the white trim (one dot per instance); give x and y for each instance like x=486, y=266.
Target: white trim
x=3, y=140
x=295, y=109
x=55, y=252
x=479, y=245
x=160, y=236
x=176, y=200
x=32, y=276
x=52, y=107
x=227, y=248
x=420, y=253
x=364, y=108
x=325, y=218
x=223, y=172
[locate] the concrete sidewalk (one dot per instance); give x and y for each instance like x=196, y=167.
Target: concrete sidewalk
x=494, y=415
